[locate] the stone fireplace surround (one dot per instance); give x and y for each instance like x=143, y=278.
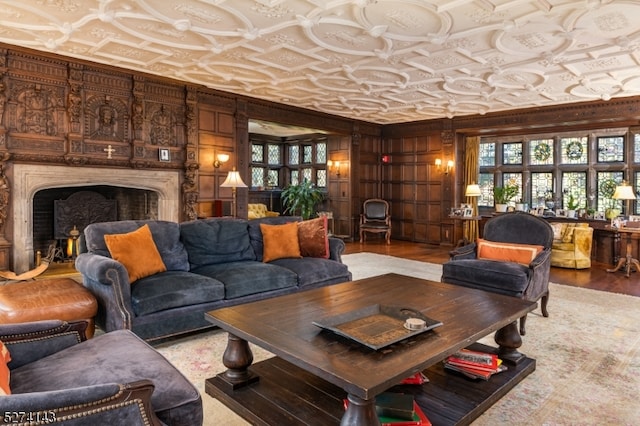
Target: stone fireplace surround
x=28, y=179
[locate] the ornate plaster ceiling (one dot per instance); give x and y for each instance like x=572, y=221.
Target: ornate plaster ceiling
x=380, y=61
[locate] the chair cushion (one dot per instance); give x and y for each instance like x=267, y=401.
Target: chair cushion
x=115, y=357
x=249, y=277
x=313, y=272
x=508, y=278
x=173, y=289
x=507, y=252
x=216, y=240
x=137, y=252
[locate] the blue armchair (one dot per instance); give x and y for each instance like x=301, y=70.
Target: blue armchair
x=526, y=280
x=115, y=378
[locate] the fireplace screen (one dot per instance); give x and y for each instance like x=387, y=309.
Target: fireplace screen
x=81, y=209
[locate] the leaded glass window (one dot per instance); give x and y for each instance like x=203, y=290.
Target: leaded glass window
x=636, y=189
x=257, y=177
x=485, y=182
x=541, y=152
x=321, y=153
x=294, y=177
x=574, y=184
x=513, y=179
x=610, y=149
x=294, y=155
x=273, y=154
x=574, y=150
x=541, y=188
x=307, y=154
x=512, y=153
x=257, y=153
x=487, y=154
x=636, y=148
x=272, y=179
x=321, y=178
x=607, y=182
x=307, y=174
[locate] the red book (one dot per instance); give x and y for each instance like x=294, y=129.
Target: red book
x=474, y=359
x=419, y=418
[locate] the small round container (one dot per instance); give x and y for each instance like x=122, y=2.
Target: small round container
x=414, y=324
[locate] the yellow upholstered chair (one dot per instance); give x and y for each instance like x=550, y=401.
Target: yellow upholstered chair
x=571, y=245
x=259, y=210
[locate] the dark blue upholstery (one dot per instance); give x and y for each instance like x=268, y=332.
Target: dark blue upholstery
x=212, y=263
x=530, y=282
x=84, y=378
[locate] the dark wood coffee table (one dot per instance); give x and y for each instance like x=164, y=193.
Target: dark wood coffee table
x=315, y=369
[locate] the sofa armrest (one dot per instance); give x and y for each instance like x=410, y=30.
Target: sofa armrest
x=582, y=241
x=108, y=281
x=539, y=276
x=336, y=248
x=30, y=341
x=465, y=252
x=113, y=404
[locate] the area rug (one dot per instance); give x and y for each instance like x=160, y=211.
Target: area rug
x=587, y=354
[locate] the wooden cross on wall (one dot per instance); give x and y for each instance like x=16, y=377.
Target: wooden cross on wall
x=109, y=150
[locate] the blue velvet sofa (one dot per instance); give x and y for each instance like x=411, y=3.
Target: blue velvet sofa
x=211, y=263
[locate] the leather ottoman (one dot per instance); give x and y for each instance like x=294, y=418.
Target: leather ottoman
x=55, y=298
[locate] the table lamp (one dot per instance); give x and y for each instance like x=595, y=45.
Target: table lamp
x=624, y=192
x=233, y=181
x=473, y=190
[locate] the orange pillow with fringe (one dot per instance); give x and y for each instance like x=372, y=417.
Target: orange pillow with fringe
x=5, y=374
x=137, y=252
x=280, y=241
x=508, y=252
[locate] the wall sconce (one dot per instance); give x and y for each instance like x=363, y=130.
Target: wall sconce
x=220, y=159
x=447, y=169
x=334, y=166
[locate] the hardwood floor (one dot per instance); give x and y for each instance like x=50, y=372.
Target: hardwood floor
x=596, y=277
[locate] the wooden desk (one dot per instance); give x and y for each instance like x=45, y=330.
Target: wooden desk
x=628, y=261
x=459, y=225
x=314, y=369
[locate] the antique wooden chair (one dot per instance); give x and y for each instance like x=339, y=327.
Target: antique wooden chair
x=375, y=218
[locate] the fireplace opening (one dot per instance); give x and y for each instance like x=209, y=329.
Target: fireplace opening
x=61, y=214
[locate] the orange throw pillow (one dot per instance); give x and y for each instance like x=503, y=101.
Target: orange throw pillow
x=280, y=241
x=137, y=252
x=314, y=237
x=5, y=374
x=508, y=252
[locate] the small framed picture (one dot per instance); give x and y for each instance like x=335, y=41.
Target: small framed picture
x=561, y=213
x=633, y=218
x=467, y=212
x=540, y=211
x=598, y=216
x=164, y=154
x=465, y=206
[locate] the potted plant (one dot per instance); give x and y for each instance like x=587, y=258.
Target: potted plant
x=573, y=204
x=302, y=199
x=502, y=195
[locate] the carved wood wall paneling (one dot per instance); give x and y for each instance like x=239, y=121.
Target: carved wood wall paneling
x=340, y=187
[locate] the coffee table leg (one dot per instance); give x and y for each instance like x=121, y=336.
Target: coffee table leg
x=237, y=358
x=360, y=412
x=509, y=340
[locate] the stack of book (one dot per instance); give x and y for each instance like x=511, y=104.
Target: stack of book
x=398, y=409
x=474, y=364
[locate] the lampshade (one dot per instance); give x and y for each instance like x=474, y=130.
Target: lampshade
x=473, y=190
x=233, y=180
x=624, y=192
